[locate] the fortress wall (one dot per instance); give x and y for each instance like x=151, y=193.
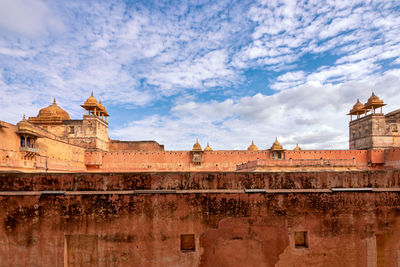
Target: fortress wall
x=222, y=160
x=116, y=145
x=60, y=150
x=9, y=140
x=392, y=158
x=228, y=229
x=199, y=180
x=360, y=156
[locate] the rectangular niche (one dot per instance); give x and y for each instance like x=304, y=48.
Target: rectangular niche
x=81, y=250
x=188, y=243
x=300, y=240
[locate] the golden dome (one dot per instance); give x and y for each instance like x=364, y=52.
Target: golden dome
x=103, y=108
x=374, y=102
x=91, y=101
x=207, y=148
x=276, y=145
x=357, y=109
x=252, y=147
x=197, y=146
x=297, y=148
x=50, y=114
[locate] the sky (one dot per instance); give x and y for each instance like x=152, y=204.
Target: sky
x=225, y=72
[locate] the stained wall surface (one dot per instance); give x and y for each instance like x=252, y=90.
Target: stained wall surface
x=108, y=219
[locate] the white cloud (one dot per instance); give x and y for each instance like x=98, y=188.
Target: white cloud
x=302, y=115
x=27, y=17
x=135, y=56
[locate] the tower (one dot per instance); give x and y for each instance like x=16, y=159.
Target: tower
x=94, y=130
x=370, y=129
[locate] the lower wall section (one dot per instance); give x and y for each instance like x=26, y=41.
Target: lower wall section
x=302, y=229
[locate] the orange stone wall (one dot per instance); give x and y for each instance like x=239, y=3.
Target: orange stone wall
x=116, y=145
x=54, y=154
x=84, y=227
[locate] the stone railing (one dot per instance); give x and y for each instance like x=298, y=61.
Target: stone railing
x=29, y=149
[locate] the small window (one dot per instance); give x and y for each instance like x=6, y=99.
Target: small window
x=187, y=243
x=71, y=129
x=300, y=240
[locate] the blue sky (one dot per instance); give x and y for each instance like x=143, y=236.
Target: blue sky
x=225, y=72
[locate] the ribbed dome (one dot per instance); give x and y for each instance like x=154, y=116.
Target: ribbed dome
x=103, y=108
x=197, y=146
x=276, y=145
x=357, y=109
x=207, y=148
x=91, y=101
x=374, y=102
x=53, y=112
x=252, y=147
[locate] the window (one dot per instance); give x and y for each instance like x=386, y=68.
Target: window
x=187, y=243
x=276, y=155
x=22, y=141
x=300, y=240
x=71, y=129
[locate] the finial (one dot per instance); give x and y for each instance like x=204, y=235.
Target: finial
x=54, y=101
x=373, y=94
x=91, y=94
x=23, y=117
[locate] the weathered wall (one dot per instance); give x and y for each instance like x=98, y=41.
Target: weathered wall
x=230, y=229
x=117, y=145
x=375, y=131
x=122, y=161
x=54, y=153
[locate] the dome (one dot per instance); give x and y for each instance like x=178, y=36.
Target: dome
x=357, y=109
x=297, y=148
x=276, y=145
x=103, y=108
x=252, y=147
x=52, y=113
x=197, y=146
x=374, y=102
x=208, y=148
x=91, y=101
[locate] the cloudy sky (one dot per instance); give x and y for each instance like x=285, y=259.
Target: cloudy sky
x=225, y=72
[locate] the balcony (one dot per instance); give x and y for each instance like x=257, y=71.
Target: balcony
x=29, y=149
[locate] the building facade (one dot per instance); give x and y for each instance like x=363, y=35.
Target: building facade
x=54, y=142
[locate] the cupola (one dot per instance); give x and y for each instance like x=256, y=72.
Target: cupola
x=207, y=148
x=95, y=108
x=297, y=148
x=373, y=103
x=276, y=146
x=277, y=150
x=197, y=146
x=252, y=147
x=357, y=109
